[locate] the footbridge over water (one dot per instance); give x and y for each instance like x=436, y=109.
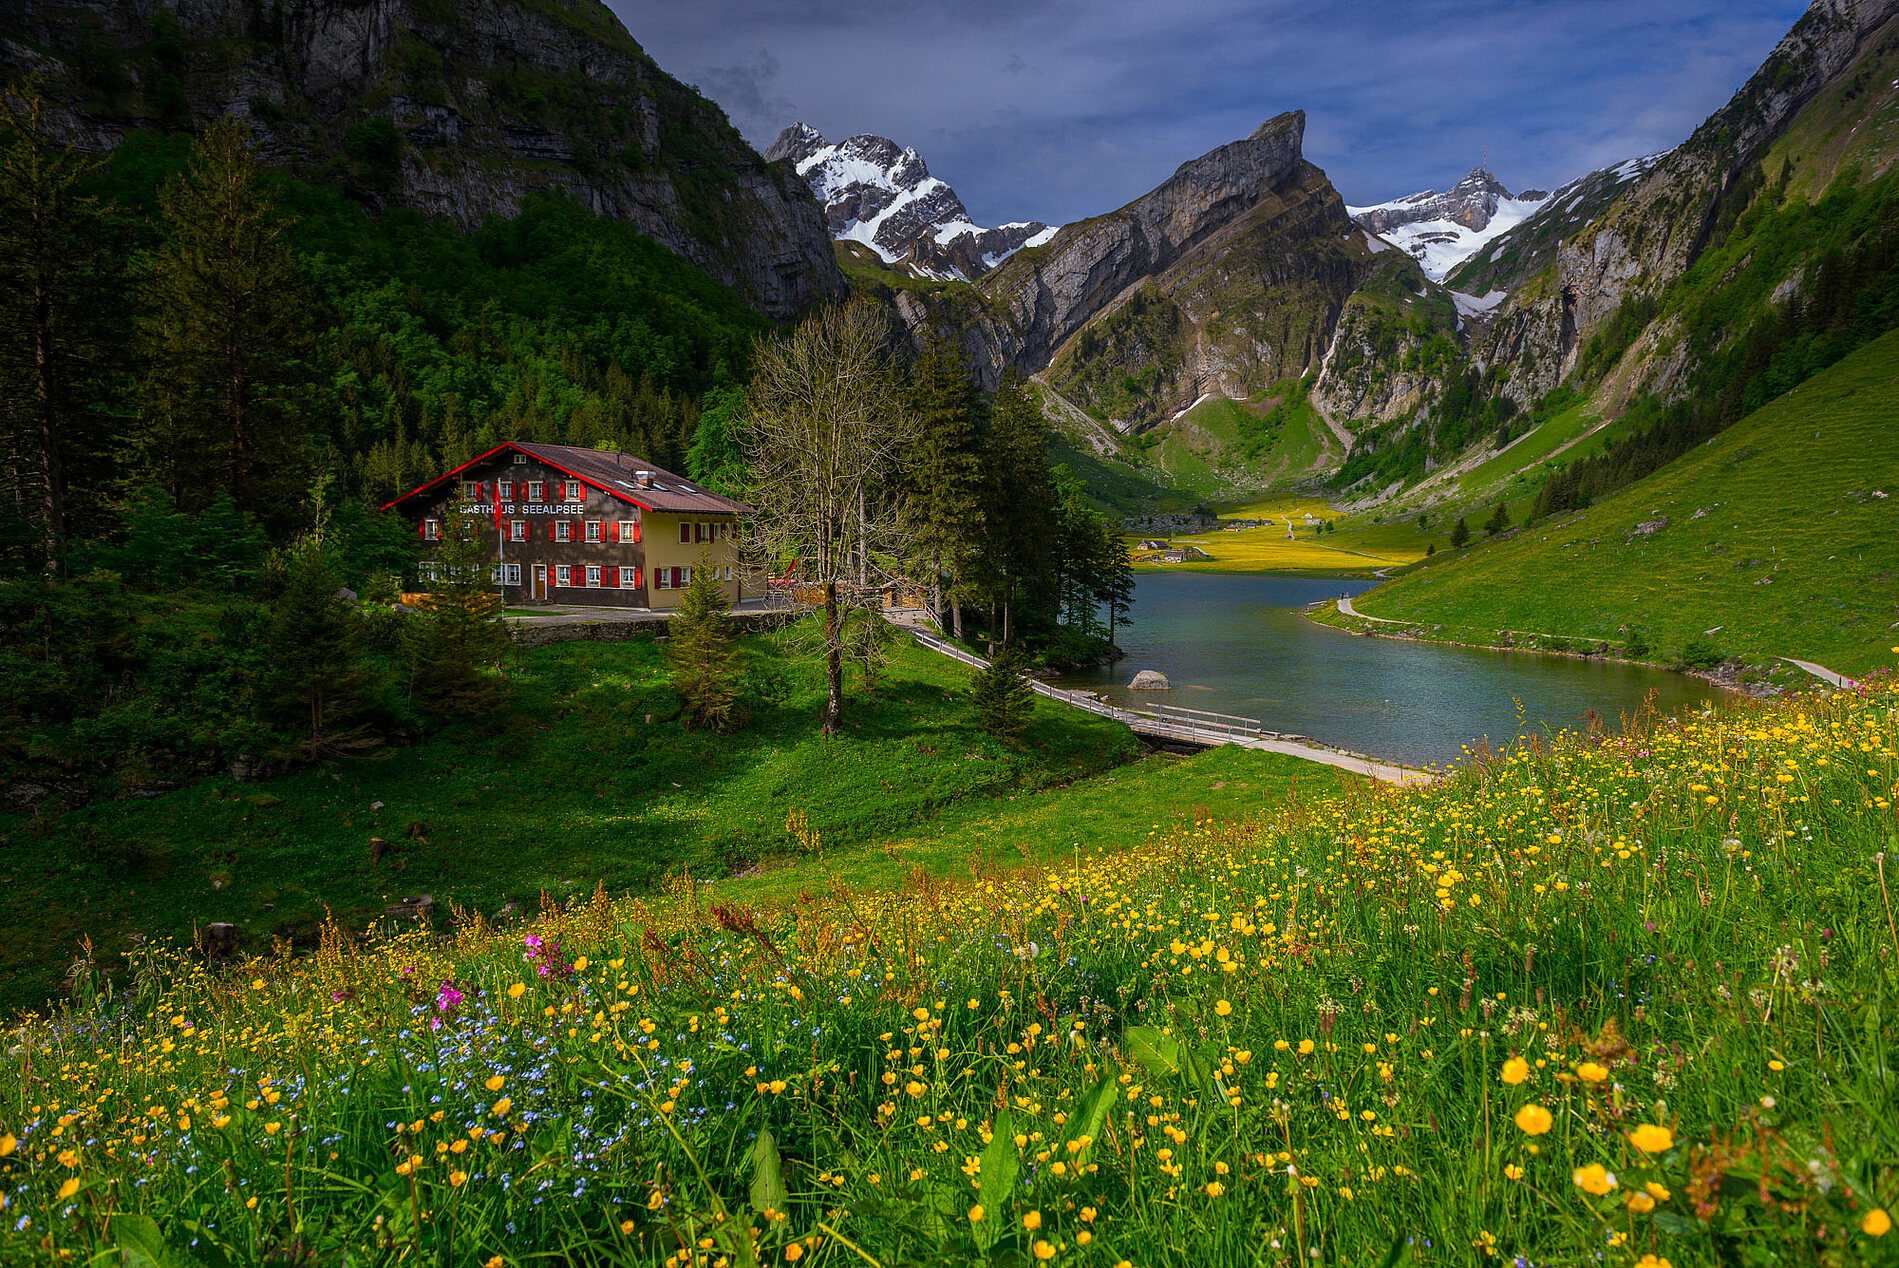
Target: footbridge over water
x=1171, y=725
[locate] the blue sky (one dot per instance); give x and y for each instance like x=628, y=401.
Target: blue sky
x=1058, y=109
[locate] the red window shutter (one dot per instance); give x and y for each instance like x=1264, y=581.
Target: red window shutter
x=550, y=530
x=638, y=531
x=637, y=583
x=685, y=533
x=613, y=530
x=422, y=529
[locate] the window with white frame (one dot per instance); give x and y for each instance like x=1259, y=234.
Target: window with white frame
x=510, y=574
x=471, y=490
x=629, y=578
x=537, y=490
x=504, y=489
x=517, y=530
x=520, y=459
x=563, y=574
x=572, y=491
x=425, y=571
x=431, y=530
x=593, y=576
x=629, y=530
x=563, y=530
x=594, y=531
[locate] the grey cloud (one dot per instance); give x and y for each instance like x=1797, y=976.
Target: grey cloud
x=1058, y=109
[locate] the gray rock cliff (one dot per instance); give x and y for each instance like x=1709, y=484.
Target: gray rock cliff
x=456, y=108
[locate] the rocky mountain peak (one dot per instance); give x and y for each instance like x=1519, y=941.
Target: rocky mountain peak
x=1442, y=230
x=882, y=195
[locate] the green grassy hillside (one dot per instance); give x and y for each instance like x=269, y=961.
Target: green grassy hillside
x=569, y=787
x=1777, y=533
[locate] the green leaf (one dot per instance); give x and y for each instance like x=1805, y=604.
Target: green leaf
x=140, y=1241
x=1088, y=1118
x=1158, y=1054
x=996, y=1179
x=768, y=1174
x=141, y=1245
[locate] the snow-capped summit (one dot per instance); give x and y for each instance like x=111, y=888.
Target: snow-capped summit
x=883, y=196
x=1443, y=230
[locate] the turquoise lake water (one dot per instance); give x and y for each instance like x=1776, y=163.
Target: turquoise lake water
x=1238, y=644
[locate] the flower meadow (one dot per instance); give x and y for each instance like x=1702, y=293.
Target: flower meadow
x=1609, y=999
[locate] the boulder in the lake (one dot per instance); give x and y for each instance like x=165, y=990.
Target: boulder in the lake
x=1150, y=680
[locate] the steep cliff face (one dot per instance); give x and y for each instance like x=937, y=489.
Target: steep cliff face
x=457, y=108
x=1225, y=277
x=1651, y=235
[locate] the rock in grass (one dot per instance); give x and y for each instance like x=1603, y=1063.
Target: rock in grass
x=1150, y=680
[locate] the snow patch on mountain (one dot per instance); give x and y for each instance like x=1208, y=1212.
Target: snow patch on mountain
x=883, y=196
x=1442, y=230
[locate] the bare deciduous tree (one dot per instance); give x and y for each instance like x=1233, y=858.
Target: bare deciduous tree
x=824, y=431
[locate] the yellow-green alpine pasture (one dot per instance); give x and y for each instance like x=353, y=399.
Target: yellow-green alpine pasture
x=1618, y=1000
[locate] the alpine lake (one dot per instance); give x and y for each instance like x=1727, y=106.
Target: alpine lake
x=1241, y=645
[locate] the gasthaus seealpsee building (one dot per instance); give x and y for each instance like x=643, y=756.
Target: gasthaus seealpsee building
x=584, y=526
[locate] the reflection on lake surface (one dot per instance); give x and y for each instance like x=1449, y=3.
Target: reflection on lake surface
x=1238, y=644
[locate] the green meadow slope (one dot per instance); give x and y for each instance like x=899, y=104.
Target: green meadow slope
x=1779, y=532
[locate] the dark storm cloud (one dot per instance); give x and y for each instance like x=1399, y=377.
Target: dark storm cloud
x=1058, y=109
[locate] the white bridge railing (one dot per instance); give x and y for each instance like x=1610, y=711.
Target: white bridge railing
x=1171, y=721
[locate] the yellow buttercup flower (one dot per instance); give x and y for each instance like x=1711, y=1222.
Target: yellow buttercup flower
x=1651, y=1139
x=1594, y=1178
x=71, y=1187
x=1223, y=1008
x=494, y=1083
x=1515, y=1070
x=1876, y=1224
x=1032, y=1221
x=1534, y=1119
x=1590, y=1072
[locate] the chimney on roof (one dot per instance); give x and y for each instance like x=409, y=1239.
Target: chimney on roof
x=643, y=478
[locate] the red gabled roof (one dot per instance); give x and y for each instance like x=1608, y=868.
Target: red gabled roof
x=609, y=472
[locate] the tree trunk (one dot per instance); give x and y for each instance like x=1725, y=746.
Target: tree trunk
x=992, y=629
x=956, y=618
x=833, y=661
x=53, y=502
x=1008, y=617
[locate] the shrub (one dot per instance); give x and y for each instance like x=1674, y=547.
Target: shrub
x=1701, y=653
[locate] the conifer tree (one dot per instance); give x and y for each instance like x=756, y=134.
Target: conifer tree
x=1460, y=534
x=62, y=327
x=226, y=335
x=461, y=636
x=1001, y=696
x=946, y=475
x=317, y=677
x=1019, y=506
x=699, y=648
x=1498, y=521
x=1117, y=585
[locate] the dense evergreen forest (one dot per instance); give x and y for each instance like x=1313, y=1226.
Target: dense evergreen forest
x=213, y=373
